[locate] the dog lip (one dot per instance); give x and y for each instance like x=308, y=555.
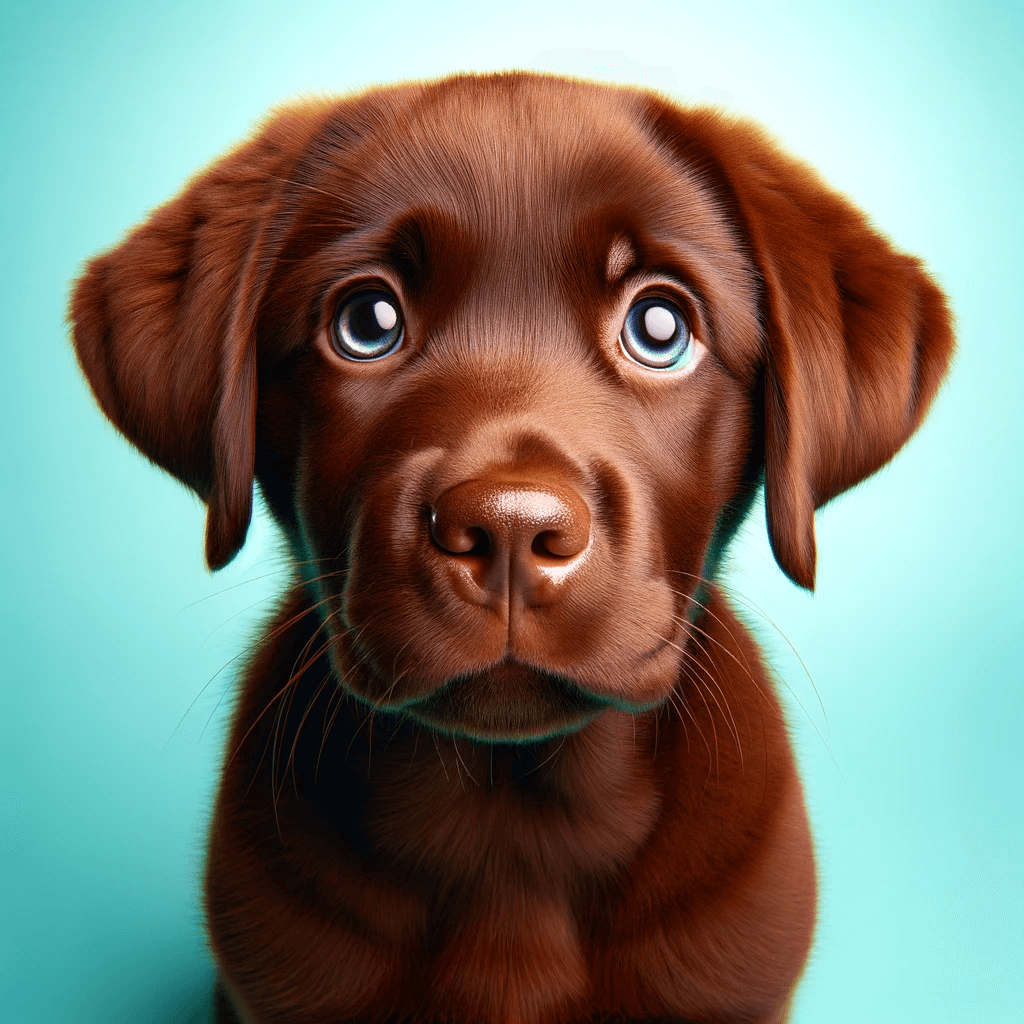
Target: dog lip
x=674, y=636
x=651, y=654
x=510, y=700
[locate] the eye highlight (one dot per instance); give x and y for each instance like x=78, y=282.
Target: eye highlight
x=368, y=325
x=656, y=335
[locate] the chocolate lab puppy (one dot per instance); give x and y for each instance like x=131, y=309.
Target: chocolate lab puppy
x=509, y=358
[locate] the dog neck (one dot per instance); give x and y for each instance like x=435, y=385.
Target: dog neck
x=451, y=809
x=544, y=811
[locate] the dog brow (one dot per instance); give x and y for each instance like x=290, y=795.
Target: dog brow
x=621, y=257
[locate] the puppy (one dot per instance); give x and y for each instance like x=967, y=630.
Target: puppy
x=509, y=358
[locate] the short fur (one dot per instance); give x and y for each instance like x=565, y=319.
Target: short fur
x=462, y=784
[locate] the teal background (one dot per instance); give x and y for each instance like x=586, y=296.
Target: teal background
x=118, y=646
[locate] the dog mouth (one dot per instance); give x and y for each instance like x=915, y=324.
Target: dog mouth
x=507, y=703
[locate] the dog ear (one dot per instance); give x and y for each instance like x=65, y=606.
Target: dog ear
x=856, y=336
x=858, y=339
x=164, y=328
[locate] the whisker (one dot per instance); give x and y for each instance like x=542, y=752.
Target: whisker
x=302, y=721
x=247, y=651
x=205, y=686
x=689, y=659
x=783, y=682
x=248, y=608
x=706, y=608
x=727, y=710
x=289, y=568
x=677, y=701
x=342, y=695
x=458, y=761
x=235, y=586
x=280, y=693
x=754, y=607
x=300, y=657
x=760, y=611
x=439, y=757
x=369, y=718
x=718, y=643
x=711, y=720
x=757, y=686
x=557, y=749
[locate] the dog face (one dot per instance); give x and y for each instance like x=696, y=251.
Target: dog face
x=509, y=358
x=508, y=494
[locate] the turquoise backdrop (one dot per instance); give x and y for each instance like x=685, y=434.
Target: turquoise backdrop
x=118, y=646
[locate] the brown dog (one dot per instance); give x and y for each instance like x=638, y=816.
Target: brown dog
x=509, y=358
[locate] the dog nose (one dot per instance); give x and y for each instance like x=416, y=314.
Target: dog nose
x=503, y=528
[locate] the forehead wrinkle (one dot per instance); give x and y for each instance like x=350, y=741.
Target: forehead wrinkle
x=498, y=326
x=499, y=154
x=515, y=173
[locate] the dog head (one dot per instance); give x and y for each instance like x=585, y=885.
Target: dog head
x=509, y=358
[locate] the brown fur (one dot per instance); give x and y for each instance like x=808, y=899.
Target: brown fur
x=463, y=784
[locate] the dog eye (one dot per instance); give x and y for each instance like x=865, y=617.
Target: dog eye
x=656, y=335
x=368, y=326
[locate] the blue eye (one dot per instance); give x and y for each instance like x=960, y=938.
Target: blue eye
x=656, y=335
x=368, y=326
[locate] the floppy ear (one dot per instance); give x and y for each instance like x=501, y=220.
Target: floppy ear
x=857, y=337
x=164, y=328
x=858, y=340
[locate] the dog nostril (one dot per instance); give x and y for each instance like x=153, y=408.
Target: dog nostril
x=509, y=519
x=481, y=541
x=458, y=539
x=566, y=542
x=542, y=545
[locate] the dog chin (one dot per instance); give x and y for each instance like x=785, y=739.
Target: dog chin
x=507, y=703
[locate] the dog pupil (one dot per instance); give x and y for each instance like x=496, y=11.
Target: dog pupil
x=372, y=320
